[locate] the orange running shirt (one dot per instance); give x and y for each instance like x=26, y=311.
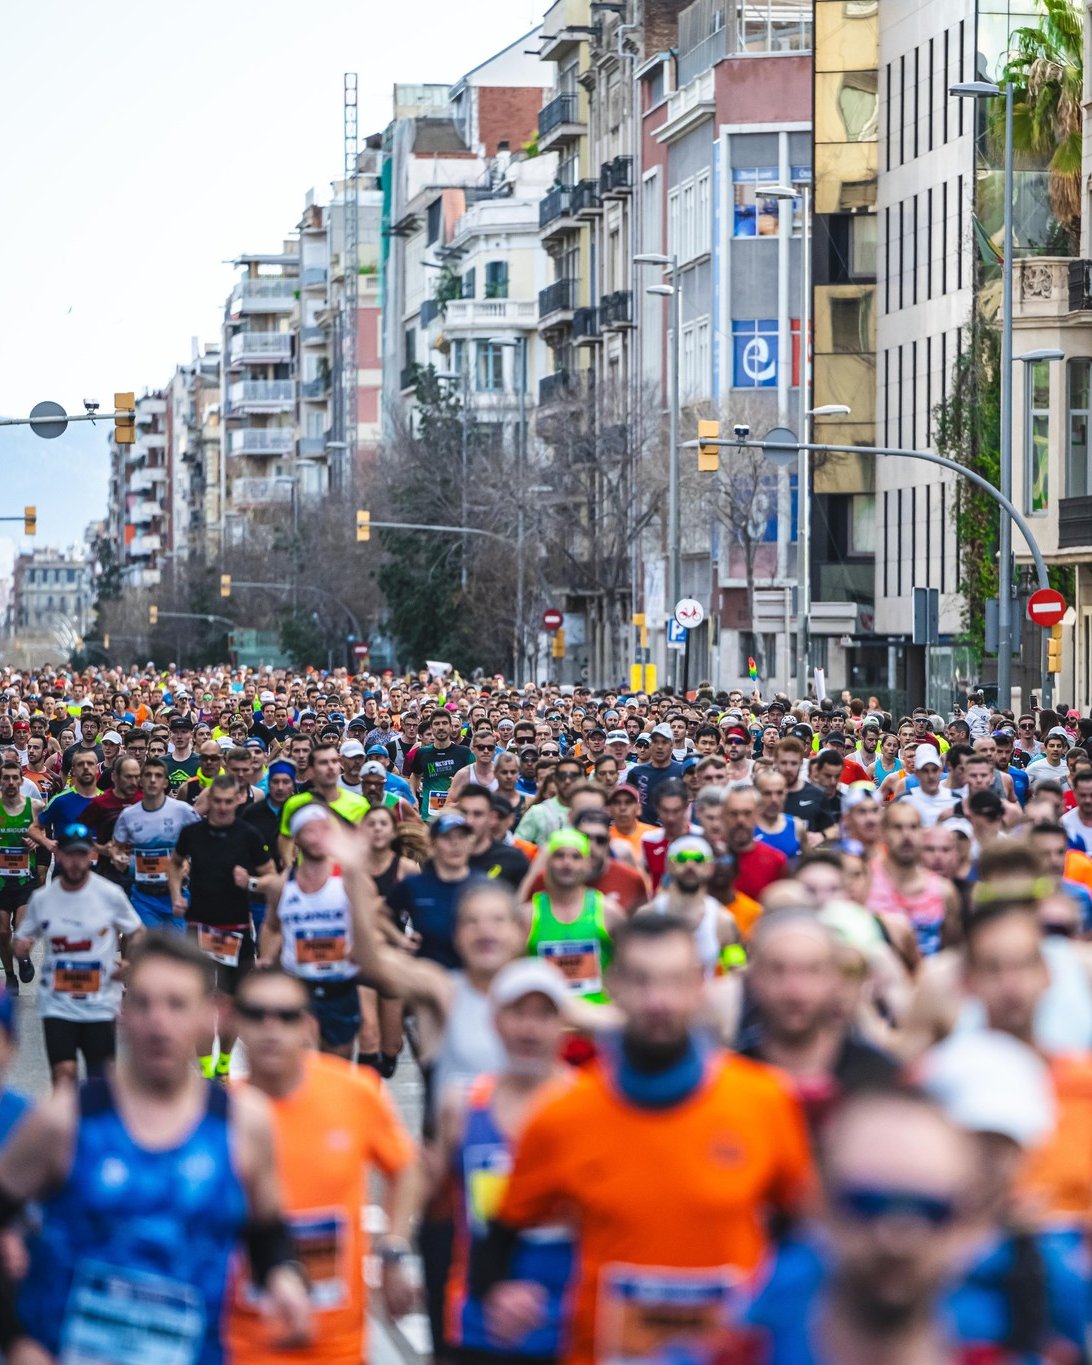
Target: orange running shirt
x=1056, y=1178
x=669, y=1205
x=328, y=1134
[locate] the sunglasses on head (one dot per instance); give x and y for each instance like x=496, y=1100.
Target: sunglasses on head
x=259, y=1014
x=863, y=1204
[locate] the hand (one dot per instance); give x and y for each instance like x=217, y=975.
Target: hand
x=119, y=859
x=399, y=1292
x=179, y=908
x=120, y=972
x=241, y=877
x=514, y=1308
x=286, y=1301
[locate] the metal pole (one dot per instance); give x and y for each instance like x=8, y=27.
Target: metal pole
x=803, y=465
x=463, y=516
x=1004, y=540
x=521, y=494
x=673, y=528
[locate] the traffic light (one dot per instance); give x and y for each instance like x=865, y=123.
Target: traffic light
x=106, y=641
x=30, y=521
x=153, y=615
x=708, y=455
x=363, y=525
x=225, y=585
x=557, y=645
x=1054, y=650
x=124, y=419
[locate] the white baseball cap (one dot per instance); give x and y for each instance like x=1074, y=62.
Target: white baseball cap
x=990, y=1082
x=926, y=756
x=352, y=748
x=663, y=730
x=527, y=976
x=306, y=815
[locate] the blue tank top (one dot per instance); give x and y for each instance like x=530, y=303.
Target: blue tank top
x=787, y=841
x=132, y=1260
x=483, y=1162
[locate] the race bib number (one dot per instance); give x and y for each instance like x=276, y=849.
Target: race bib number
x=320, y=1244
x=321, y=947
x=14, y=862
x=222, y=945
x=436, y=802
x=579, y=962
x=651, y=1314
x=129, y=1317
x=151, y=868
x=72, y=977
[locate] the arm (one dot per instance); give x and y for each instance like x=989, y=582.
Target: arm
x=175, y=872
x=271, y=937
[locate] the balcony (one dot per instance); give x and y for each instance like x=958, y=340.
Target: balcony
x=556, y=300
x=586, y=326
x=616, y=310
x=141, y=546
x=260, y=492
x=262, y=395
x=145, y=512
x=555, y=214
x=312, y=336
x=560, y=121
x=616, y=178
x=265, y=294
x=142, y=481
x=313, y=277
x=260, y=441
x=1074, y=523
x=315, y=388
x=564, y=26
x=310, y=446
x=586, y=202
x=688, y=106
x=258, y=348
x=489, y=314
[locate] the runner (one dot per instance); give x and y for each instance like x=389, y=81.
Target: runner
x=787, y=833
x=144, y=839
x=489, y=857
x=225, y=858
x=690, y=865
x=434, y=765
x=18, y=865
x=210, y=759
x=149, y=1182
x=68, y=806
x=318, y=1103
x=901, y=886
x=85, y=922
x=183, y=760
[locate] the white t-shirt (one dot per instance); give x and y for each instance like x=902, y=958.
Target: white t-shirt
x=930, y=808
x=80, y=929
x=1076, y=829
x=1043, y=771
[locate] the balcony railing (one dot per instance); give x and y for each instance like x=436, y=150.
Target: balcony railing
x=616, y=310
x=262, y=393
x=260, y=441
x=267, y=287
x=260, y=492
x=556, y=204
x=553, y=387
x=586, y=324
x=559, y=297
x=144, y=512
x=616, y=177
x=316, y=388
x=585, y=198
x=312, y=445
x=1074, y=523
x=140, y=546
x=312, y=335
x=472, y=313
x=261, y=346
x=313, y=275
x=563, y=109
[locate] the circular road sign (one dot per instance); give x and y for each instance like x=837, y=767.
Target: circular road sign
x=48, y=420
x=552, y=619
x=1046, y=607
x=689, y=613
x=780, y=436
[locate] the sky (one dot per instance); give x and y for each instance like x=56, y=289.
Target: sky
x=146, y=144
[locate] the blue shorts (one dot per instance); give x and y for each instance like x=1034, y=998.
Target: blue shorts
x=155, y=911
x=336, y=1006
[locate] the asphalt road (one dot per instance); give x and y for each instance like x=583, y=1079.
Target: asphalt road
x=409, y=1341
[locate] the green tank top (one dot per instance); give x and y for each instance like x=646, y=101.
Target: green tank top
x=17, y=862
x=582, y=950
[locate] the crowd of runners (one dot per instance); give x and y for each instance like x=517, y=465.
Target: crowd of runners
x=752, y=1031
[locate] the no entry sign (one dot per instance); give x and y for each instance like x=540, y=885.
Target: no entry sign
x=1046, y=607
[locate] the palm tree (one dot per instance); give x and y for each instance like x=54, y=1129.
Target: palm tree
x=1046, y=68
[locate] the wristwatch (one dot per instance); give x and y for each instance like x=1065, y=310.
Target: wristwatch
x=394, y=1251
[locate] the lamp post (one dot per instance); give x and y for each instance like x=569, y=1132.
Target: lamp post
x=671, y=291
x=519, y=343
x=979, y=90
x=1030, y=359
x=464, y=377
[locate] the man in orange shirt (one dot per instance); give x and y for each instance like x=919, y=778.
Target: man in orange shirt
x=624, y=807
x=332, y=1124
x=668, y=1158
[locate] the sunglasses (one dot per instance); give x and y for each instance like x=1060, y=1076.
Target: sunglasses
x=862, y=1204
x=486, y=748
x=602, y=839
x=549, y=753
x=259, y=1014
x=690, y=855
x=1027, y=725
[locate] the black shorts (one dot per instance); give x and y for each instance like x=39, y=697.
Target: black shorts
x=13, y=898
x=225, y=975
x=95, y=1038
x=336, y=1006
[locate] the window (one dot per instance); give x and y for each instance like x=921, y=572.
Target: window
x=468, y=283
x=458, y=356
x=703, y=214
x=316, y=424
x=686, y=221
x=673, y=223
x=862, y=527
x=1078, y=477
x=411, y=346
x=755, y=215
x=490, y=368
x=687, y=360
x=849, y=328
x=435, y=218
x=703, y=359
x=1037, y=455
x=862, y=246
x=496, y=280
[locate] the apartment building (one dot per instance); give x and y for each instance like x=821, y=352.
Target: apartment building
x=258, y=392
x=138, y=510
x=52, y=594
x=193, y=456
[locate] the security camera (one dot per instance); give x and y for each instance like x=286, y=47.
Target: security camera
x=90, y=405
x=742, y=431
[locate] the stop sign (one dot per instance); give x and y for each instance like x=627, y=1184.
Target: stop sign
x=552, y=619
x=1046, y=607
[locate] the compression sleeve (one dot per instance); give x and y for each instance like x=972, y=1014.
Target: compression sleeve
x=491, y=1258
x=269, y=1245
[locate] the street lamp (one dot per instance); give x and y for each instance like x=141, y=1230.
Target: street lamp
x=519, y=343
x=464, y=443
x=671, y=291
x=989, y=90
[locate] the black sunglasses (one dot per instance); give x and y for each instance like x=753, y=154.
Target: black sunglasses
x=259, y=1014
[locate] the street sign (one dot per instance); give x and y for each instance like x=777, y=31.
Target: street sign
x=552, y=619
x=48, y=420
x=780, y=436
x=689, y=613
x=360, y=650
x=1046, y=607
x=676, y=634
